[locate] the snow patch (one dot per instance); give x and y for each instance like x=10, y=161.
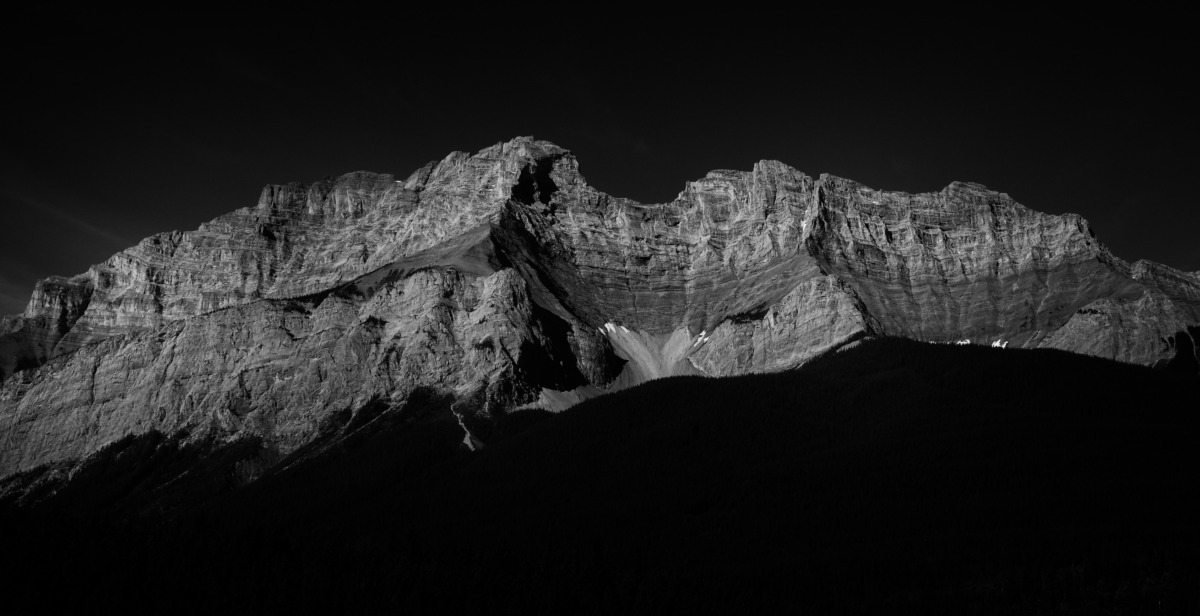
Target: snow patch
x=1000, y=344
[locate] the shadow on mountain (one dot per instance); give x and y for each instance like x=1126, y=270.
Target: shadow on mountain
x=1186, y=360
x=891, y=477
x=144, y=474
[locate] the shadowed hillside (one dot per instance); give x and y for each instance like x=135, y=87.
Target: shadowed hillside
x=894, y=476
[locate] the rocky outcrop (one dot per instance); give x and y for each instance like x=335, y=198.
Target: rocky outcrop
x=287, y=368
x=963, y=263
x=1142, y=328
x=298, y=239
x=504, y=280
x=29, y=339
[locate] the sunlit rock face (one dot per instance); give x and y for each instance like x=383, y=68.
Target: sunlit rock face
x=965, y=262
x=505, y=281
x=289, y=368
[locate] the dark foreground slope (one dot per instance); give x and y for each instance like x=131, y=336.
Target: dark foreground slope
x=895, y=476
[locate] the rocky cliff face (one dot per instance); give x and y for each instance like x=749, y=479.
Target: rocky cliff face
x=505, y=281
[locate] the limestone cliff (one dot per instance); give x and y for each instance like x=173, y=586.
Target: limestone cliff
x=504, y=280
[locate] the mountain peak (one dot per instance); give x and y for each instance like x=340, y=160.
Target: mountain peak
x=523, y=147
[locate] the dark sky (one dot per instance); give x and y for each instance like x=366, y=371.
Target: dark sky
x=110, y=139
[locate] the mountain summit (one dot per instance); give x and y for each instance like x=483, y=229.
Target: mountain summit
x=502, y=281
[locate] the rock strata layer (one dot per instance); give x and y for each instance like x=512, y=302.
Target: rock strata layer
x=504, y=280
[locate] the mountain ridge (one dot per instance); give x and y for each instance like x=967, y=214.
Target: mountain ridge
x=506, y=281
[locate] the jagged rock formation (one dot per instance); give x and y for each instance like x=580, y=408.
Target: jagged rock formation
x=504, y=280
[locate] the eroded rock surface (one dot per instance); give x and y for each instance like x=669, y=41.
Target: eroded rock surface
x=504, y=280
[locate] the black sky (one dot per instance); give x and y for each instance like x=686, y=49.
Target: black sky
x=108, y=139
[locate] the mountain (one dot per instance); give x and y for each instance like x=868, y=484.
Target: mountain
x=502, y=281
